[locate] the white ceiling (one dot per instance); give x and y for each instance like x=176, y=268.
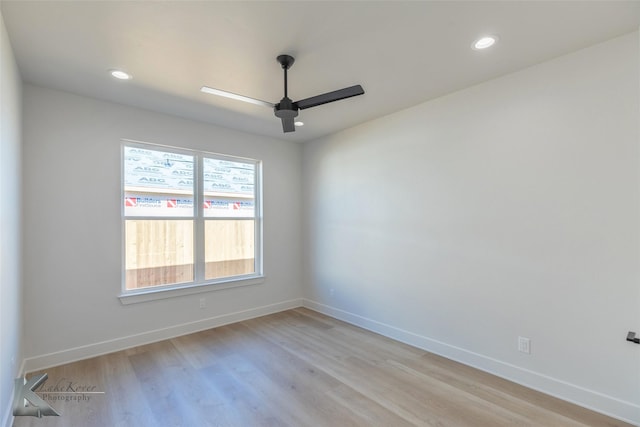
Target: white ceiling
x=402, y=53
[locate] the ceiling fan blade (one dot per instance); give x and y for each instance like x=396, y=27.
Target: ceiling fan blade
x=235, y=96
x=288, y=125
x=325, y=98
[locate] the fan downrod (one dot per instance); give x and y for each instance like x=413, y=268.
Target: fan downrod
x=286, y=61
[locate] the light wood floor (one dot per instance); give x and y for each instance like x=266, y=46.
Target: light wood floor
x=296, y=368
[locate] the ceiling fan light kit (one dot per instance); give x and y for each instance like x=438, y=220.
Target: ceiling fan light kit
x=287, y=110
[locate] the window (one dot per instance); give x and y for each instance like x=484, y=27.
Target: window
x=189, y=218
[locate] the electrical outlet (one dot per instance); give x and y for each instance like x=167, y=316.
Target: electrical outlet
x=203, y=303
x=524, y=345
x=332, y=292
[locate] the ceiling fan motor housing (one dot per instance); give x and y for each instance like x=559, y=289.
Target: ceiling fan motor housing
x=286, y=109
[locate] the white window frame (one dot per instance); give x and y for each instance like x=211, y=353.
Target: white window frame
x=199, y=284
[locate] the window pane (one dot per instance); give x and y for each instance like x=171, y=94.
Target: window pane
x=229, y=188
x=157, y=183
x=158, y=252
x=229, y=248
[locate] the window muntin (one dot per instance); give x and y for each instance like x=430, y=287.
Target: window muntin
x=169, y=243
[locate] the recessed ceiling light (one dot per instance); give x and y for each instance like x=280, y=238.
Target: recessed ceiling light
x=484, y=42
x=299, y=124
x=118, y=74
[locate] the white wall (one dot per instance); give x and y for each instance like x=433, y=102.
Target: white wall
x=72, y=227
x=10, y=247
x=507, y=209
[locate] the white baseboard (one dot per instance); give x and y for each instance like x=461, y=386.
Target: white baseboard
x=97, y=349
x=607, y=405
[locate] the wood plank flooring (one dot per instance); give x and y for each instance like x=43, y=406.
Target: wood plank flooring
x=296, y=368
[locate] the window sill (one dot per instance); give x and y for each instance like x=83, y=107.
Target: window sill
x=151, y=294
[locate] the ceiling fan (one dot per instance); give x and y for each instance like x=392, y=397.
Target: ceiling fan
x=286, y=109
